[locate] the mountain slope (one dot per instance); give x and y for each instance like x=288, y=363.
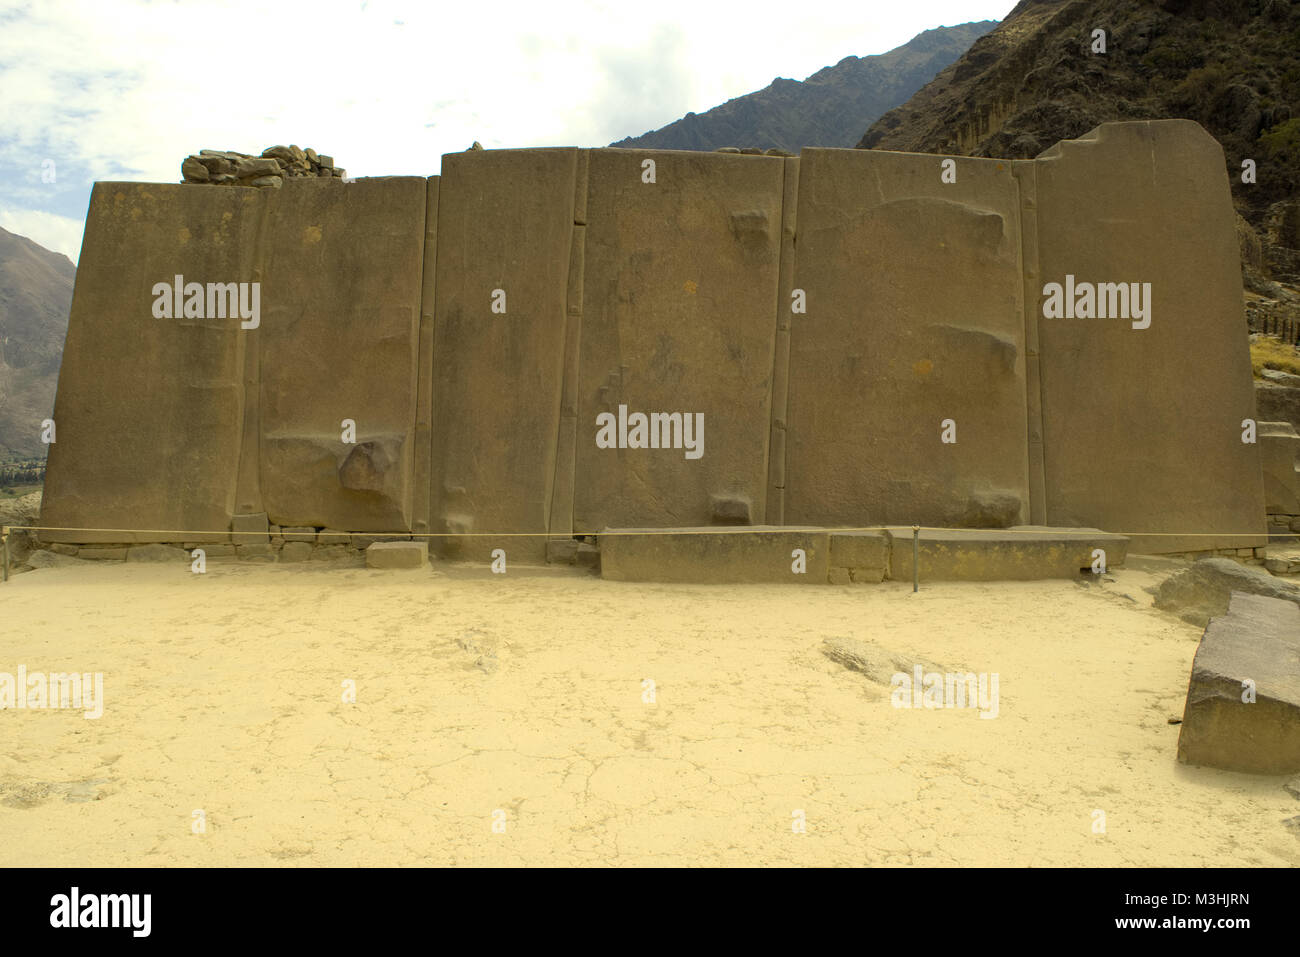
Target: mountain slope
x=1231, y=65
x=829, y=108
x=35, y=297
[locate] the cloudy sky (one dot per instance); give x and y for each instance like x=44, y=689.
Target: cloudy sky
x=125, y=89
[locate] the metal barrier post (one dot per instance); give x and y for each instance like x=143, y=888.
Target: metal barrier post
x=916, y=557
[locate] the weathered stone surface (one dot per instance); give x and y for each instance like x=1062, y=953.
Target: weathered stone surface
x=369, y=464
x=397, y=555
x=103, y=554
x=1257, y=643
x=299, y=534
x=338, y=340
x=298, y=551
x=496, y=392
x=667, y=328
x=868, y=575
x=43, y=558
x=1122, y=454
x=330, y=553
x=1202, y=591
x=865, y=549
x=333, y=536
x=887, y=351
x=216, y=164
x=148, y=405
x=561, y=551
x=715, y=555
x=212, y=550
x=732, y=510
x=279, y=152
x=254, y=168
x=193, y=170
x=661, y=297
x=877, y=664
x=363, y=542
x=270, y=170
x=588, y=556
x=157, y=553
x=1277, y=402
x=1279, y=448
x=250, y=528
x=1016, y=554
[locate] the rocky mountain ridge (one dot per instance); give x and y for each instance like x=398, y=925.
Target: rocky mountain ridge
x=828, y=108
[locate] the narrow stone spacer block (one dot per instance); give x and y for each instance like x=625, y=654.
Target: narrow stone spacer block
x=561, y=551
x=397, y=555
x=251, y=528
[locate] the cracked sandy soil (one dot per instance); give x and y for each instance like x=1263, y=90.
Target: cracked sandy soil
x=520, y=701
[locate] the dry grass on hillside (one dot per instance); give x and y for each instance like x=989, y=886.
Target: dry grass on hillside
x=1269, y=353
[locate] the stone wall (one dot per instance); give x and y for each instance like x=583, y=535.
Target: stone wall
x=862, y=335
x=1142, y=427
x=270, y=170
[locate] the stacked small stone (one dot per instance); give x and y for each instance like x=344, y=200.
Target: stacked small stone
x=271, y=169
x=752, y=151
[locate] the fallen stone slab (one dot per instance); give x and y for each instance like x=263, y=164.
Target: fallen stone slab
x=397, y=555
x=713, y=554
x=1243, y=699
x=1019, y=553
x=878, y=664
x=1202, y=591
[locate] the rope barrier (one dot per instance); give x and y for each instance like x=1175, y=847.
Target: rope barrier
x=711, y=530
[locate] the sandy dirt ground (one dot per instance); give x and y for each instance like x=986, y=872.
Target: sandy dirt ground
x=520, y=701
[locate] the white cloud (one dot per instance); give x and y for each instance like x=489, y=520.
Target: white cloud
x=59, y=233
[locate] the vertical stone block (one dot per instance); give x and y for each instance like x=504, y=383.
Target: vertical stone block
x=678, y=316
x=149, y=411
x=340, y=340
x=914, y=300
x=505, y=232
x=1142, y=427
